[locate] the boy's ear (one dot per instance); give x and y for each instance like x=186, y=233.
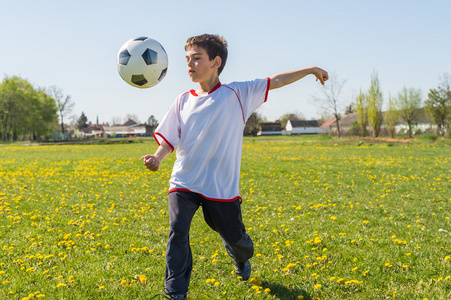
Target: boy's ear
x=217, y=61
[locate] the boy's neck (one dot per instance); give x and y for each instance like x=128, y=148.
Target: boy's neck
x=206, y=86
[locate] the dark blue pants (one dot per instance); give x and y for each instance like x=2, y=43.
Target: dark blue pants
x=223, y=217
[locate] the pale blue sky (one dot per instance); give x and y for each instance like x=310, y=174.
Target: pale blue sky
x=73, y=45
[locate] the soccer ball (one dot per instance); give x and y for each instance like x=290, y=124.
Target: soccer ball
x=142, y=62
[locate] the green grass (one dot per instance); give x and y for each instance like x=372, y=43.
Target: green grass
x=330, y=219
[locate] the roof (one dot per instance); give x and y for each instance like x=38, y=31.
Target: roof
x=304, y=123
x=328, y=123
x=129, y=122
x=92, y=128
x=271, y=126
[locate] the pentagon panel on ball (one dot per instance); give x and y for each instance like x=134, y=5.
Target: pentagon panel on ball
x=142, y=62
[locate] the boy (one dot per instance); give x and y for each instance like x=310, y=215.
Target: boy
x=206, y=125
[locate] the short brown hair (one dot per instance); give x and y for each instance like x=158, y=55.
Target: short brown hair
x=213, y=44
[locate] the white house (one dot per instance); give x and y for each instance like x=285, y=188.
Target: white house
x=303, y=127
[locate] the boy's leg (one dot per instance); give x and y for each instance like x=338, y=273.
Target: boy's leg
x=179, y=261
x=226, y=219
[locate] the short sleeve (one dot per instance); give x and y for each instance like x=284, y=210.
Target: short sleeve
x=169, y=128
x=252, y=94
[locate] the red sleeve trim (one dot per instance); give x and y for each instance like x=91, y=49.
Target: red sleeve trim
x=208, y=198
x=161, y=136
x=267, y=88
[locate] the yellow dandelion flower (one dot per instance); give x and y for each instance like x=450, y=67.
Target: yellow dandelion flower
x=101, y=287
x=317, y=286
x=142, y=279
x=61, y=284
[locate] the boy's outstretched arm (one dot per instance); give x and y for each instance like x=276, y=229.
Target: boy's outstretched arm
x=153, y=162
x=282, y=79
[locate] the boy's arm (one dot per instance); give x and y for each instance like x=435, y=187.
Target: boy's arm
x=153, y=162
x=282, y=79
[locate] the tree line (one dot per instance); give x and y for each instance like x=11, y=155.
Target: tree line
x=31, y=113
x=407, y=106
x=25, y=111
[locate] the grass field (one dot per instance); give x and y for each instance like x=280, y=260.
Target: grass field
x=330, y=219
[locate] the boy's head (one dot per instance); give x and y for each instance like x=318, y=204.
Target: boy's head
x=213, y=44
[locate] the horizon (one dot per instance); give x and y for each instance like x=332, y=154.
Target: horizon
x=74, y=46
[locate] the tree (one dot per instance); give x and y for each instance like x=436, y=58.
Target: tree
x=438, y=104
x=291, y=116
x=349, y=109
x=409, y=104
x=375, y=102
x=152, y=121
x=361, y=106
x=116, y=121
x=391, y=116
x=331, y=99
x=252, y=124
x=63, y=103
x=25, y=112
x=82, y=121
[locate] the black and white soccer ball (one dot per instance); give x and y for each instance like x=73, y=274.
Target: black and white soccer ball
x=142, y=62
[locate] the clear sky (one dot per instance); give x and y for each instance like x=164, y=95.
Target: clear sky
x=74, y=44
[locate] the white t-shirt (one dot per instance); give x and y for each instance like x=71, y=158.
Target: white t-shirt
x=208, y=133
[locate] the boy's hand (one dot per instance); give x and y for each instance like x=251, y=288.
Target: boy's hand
x=321, y=75
x=151, y=162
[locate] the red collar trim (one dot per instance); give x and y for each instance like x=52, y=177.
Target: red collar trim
x=193, y=92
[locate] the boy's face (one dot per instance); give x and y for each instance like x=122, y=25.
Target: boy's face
x=200, y=67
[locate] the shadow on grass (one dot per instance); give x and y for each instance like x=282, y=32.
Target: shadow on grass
x=284, y=292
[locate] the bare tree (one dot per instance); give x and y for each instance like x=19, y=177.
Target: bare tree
x=116, y=121
x=331, y=99
x=63, y=103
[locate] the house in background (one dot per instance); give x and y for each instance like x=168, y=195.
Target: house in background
x=302, y=127
x=92, y=131
x=325, y=127
x=129, y=129
x=270, y=128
